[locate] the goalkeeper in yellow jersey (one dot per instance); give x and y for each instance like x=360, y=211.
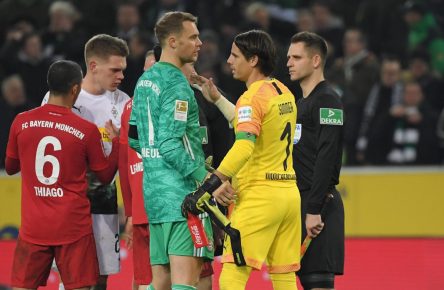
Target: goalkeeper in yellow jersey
x=267, y=212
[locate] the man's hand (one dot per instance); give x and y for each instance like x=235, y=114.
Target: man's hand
x=194, y=201
x=128, y=233
x=313, y=224
x=112, y=130
x=209, y=89
x=225, y=194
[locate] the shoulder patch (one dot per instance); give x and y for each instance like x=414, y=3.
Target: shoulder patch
x=297, y=133
x=244, y=114
x=329, y=116
x=181, y=111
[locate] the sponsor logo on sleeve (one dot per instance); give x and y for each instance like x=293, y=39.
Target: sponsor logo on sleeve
x=244, y=114
x=181, y=111
x=329, y=116
x=297, y=133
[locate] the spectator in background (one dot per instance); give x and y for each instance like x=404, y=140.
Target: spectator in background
x=11, y=45
x=258, y=17
x=32, y=65
x=63, y=39
x=419, y=70
x=412, y=125
x=128, y=20
x=152, y=11
x=372, y=146
x=210, y=56
x=424, y=33
x=33, y=10
x=13, y=102
x=98, y=16
x=329, y=26
x=381, y=21
x=138, y=45
x=305, y=20
x=354, y=75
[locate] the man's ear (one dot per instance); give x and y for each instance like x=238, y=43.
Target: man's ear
x=317, y=61
x=253, y=60
x=172, y=42
x=75, y=89
x=92, y=65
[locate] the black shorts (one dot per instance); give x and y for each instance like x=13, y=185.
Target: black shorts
x=326, y=251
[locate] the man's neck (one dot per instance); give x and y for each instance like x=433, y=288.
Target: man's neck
x=172, y=59
x=308, y=84
x=254, y=77
x=59, y=101
x=91, y=86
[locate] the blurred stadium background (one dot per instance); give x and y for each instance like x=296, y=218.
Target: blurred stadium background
x=391, y=51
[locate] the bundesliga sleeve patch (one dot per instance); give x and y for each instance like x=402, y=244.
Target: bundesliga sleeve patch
x=297, y=133
x=329, y=116
x=244, y=114
x=181, y=111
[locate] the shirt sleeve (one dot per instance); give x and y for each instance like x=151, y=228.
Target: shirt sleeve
x=123, y=162
x=328, y=115
x=133, y=143
x=97, y=159
x=133, y=115
x=250, y=111
x=12, y=162
x=124, y=125
x=12, y=147
x=174, y=113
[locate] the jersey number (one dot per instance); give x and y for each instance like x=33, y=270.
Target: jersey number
x=286, y=133
x=41, y=159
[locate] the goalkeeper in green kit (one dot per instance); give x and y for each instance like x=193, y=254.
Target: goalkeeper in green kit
x=164, y=129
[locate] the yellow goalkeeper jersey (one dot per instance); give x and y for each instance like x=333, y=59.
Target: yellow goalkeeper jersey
x=268, y=110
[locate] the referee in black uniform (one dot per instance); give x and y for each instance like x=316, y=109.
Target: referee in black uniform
x=317, y=158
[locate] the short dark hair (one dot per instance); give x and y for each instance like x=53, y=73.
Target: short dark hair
x=62, y=76
x=104, y=46
x=171, y=22
x=314, y=42
x=259, y=43
x=157, y=52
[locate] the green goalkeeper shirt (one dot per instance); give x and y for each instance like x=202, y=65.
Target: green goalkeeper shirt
x=167, y=119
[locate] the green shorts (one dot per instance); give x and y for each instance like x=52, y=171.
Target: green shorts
x=174, y=238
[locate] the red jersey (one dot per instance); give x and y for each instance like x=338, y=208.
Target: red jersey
x=132, y=194
x=55, y=147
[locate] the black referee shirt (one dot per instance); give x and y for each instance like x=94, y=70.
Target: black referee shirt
x=317, y=152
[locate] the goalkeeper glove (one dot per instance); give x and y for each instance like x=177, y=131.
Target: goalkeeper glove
x=194, y=202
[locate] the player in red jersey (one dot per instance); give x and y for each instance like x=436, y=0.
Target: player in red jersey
x=53, y=147
x=136, y=233
x=136, y=229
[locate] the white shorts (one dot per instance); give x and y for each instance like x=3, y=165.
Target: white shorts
x=106, y=234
